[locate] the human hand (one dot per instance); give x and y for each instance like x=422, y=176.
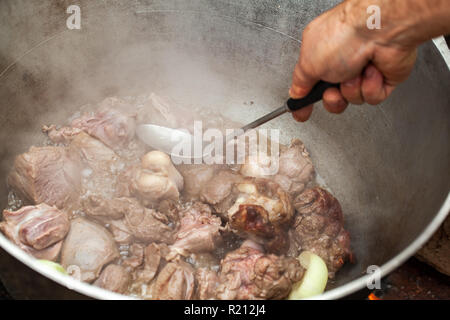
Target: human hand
x=335, y=48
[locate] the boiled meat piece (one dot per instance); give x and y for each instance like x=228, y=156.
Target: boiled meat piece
x=46, y=175
x=61, y=135
x=100, y=165
x=207, y=282
x=249, y=273
x=120, y=232
x=165, y=112
x=112, y=124
x=199, y=230
x=114, y=278
x=38, y=230
x=147, y=225
x=155, y=257
x=92, y=152
x=295, y=168
x=139, y=223
x=135, y=256
x=156, y=179
x=176, y=281
x=89, y=247
x=319, y=227
x=99, y=207
x=195, y=176
x=219, y=192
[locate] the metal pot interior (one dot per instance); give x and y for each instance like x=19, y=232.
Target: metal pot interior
x=388, y=165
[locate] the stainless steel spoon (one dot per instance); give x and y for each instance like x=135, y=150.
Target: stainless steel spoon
x=166, y=139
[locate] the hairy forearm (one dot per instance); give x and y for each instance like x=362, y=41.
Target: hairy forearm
x=403, y=22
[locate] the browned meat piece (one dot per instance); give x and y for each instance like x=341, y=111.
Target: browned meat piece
x=319, y=227
x=156, y=179
x=114, y=278
x=207, y=282
x=89, y=247
x=248, y=273
x=176, y=281
x=295, y=169
x=46, y=175
x=111, y=124
x=38, y=230
x=199, y=230
x=148, y=225
x=262, y=212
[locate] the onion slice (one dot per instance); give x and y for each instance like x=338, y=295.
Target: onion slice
x=314, y=279
x=54, y=266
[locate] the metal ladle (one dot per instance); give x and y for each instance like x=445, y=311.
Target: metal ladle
x=166, y=139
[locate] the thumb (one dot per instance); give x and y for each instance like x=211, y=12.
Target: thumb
x=302, y=83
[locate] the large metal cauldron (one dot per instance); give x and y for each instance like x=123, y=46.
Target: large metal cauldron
x=388, y=165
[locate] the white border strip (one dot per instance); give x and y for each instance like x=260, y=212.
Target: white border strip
x=443, y=49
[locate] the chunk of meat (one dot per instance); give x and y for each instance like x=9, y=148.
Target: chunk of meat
x=220, y=193
x=89, y=247
x=248, y=273
x=38, y=230
x=176, y=281
x=46, y=175
x=99, y=164
x=92, y=152
x=156, y=179
x=199, y=230
x=295, y=168
x=114, y=278
x=319, y=228
x=155, y=257
x=135, y=256
x=207, y=282
x=165, y=112
x=195, y=176
x=112, y=124
x=100, y=207
x=60, y=135
x=148, y=225
x=120, y=232
x=262, y=211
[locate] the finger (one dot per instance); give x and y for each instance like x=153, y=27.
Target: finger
x=372, y=87
x=302, y=82
x=351, y=90
x=303, y=114
x=333, y=101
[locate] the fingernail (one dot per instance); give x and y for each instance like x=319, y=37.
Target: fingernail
x=370, y=72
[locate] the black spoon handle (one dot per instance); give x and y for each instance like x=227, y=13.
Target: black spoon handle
x=313, y=96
